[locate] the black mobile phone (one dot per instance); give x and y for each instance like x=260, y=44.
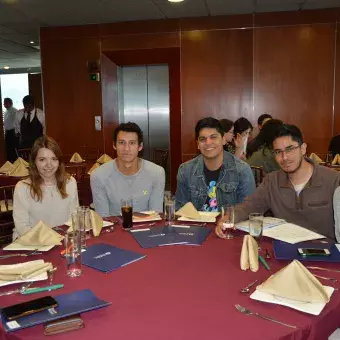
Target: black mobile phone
x=313, y=252
x=29, y=307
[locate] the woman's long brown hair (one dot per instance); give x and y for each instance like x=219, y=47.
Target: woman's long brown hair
x=61, y=175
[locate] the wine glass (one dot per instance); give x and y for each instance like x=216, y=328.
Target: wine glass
x=228, y=219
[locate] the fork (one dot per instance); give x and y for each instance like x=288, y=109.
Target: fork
x=326, y=278
x=34, y=252
x=325, y=269
x=249, y=312
x=19, y=290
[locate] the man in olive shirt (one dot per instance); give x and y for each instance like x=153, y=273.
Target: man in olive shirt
x=301, y=192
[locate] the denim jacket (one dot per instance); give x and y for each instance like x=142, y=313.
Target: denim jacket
x=235, y=182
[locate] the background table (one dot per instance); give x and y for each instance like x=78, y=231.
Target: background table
x=179, y=292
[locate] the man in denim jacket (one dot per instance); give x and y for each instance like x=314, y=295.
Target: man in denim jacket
x=215, y=178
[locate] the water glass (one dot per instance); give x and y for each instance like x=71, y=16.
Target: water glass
x=73, y=254
x=84, y=216
x=228, y=219
x=78, y=227
x=169, y=210
x=127, y=210
x=256, y=226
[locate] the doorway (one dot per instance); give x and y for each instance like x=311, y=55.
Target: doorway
x=143, y=98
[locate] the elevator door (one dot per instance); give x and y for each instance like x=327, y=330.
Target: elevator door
x=144, y=99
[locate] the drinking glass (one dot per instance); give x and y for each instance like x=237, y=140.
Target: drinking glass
x=127, y=210
x=169, y=210
x=84, y=216
x=228, y=219
x=256, y=226
x=73, y=254
x=78, y=227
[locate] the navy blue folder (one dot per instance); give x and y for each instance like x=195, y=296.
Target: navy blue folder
x=68, y=304
x=287, y=251
x=107, y=258
x=170, y=235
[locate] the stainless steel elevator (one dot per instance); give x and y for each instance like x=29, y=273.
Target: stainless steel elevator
x=143, y=97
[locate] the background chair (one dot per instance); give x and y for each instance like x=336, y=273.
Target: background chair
x=6, y=217
x=24, y=153
x=258, y=174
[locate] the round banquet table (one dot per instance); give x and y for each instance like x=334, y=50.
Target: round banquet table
x=178, y=292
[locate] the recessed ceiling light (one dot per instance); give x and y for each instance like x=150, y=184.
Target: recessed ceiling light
x=6, y=67
x=31, y=42
x=175, y=0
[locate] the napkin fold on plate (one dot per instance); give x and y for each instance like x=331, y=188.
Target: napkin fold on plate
x=336, y=160
x=189, y=211
x=314, y=157
x=7, y=167
x=25, y=271
x=249, y=254
x=20, y=161
x=76, y=158
x=96, y=224
x=94, y=167
x=295, y=282
x=103, y=159
x=19, y=171
x=40, y=235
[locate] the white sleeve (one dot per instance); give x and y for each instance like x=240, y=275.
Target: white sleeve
x=21, y=209
x=17, y=121
x=74, y=201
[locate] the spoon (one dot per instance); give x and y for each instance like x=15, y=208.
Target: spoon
x=267, y=255
x=247, y=289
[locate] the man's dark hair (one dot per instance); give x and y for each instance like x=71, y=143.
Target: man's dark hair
x=263, y=117
x=28, y=100
x=9, y=100
x=208, y=123
x=241, y=125
x=226, y=125
x=128, y=127
x=287, y=130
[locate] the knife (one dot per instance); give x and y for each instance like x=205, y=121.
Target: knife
x=42, y=289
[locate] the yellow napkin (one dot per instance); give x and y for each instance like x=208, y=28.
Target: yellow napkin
x=336, y=160
x=20, y=171
x=20, y=161
x=96, y=222
x=9, y=206
x=314, y=157
x=295, y=282
x=7, y=167
x=103, y=159
x=188, y=210
x=29, y=270
x=249, y=254
x=76, y=158
x=40, y=235
x=94, y=167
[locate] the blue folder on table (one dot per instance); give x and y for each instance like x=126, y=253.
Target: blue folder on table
x=107, y=258
x=170, y=235
x=68, y=304
x=287, y=251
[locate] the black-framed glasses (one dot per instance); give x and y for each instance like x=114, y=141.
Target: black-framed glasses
x=287, y=151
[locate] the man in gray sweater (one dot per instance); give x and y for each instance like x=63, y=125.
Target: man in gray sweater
x=127, y=176
x=301, y=192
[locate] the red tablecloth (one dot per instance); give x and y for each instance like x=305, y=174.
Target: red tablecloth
x=180, y=292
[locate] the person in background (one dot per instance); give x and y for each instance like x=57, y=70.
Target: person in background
x=214, y=178
x=49, y=194
x=230, y=146
x=263, y=119
x=128, y=176
x=301, y=192
x=334, y=146
x=9, y=124
x=30, y=123
x=262, y=148
x=242, y=134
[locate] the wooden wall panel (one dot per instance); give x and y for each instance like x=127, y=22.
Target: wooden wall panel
x=293, y=78
x=71, y=99
x=110, y=109
x=35, y=89
x=216, y=77
x=337, y=88
x=2, y=137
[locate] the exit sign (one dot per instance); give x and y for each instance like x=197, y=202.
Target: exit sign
x=94, y=76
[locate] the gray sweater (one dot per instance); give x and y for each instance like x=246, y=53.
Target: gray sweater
x=336, y=206
x=109, y=186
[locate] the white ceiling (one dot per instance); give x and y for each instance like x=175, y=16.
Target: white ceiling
x=20, y=19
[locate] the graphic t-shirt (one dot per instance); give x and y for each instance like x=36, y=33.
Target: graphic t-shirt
x=211, y=177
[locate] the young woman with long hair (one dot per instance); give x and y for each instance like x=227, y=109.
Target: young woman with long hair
x=48, y=193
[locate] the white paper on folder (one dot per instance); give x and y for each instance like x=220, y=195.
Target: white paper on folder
x=268, y=222
x=291, y=233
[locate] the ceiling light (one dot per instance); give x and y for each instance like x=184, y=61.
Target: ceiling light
x=175, y=0
x=31, y=42
x=6, y=67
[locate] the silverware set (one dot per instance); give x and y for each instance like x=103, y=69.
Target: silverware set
x=19, y=290
x=34, y=252
x=247, y=289
x=246, y=311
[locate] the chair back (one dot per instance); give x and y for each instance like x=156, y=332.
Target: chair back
x=24, y=153
x=258, y=174
x=6, y=217
x=6, y=198
x=75, y=170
